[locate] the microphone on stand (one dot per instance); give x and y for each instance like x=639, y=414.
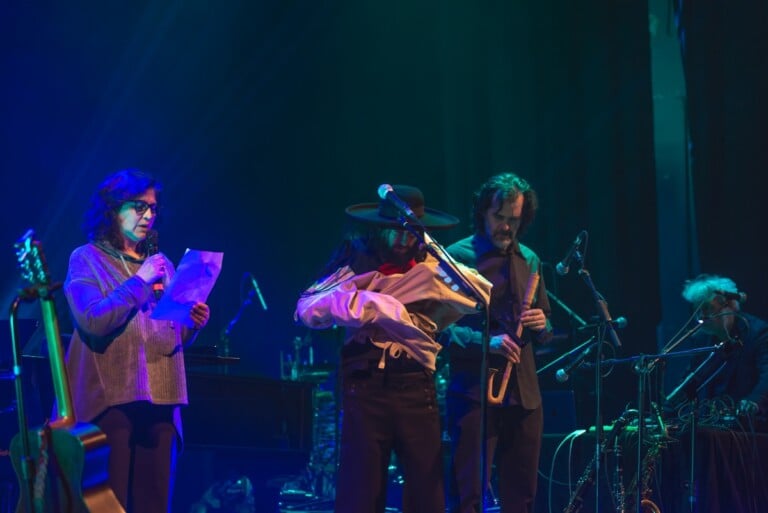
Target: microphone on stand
x=618, y=323
x=256, y=289
x=563, y=374
x=697, y=378
x=387, y=192
x=447, y=263
x=564, y=265
x=152, y=249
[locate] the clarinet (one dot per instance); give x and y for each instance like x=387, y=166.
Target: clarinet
x=587, y=478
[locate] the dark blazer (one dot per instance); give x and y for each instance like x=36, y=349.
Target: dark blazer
x=509, y=272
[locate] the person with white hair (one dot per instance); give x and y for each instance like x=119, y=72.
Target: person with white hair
x=738, y=371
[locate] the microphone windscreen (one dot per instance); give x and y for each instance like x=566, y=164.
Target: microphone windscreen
x=384, y=189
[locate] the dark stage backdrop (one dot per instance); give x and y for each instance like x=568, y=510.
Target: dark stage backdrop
x=726, y=69
x=265, y=119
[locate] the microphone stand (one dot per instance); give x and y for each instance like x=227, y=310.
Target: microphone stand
x=603, y=328
x=571, y=314
x=643, y=365
x=584, y=347
x=582, y=323
x=26, y=463
x=224, y=338
x=449, y=265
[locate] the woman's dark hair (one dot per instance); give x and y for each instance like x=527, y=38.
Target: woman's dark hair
x=499, y=188
x=100, y=223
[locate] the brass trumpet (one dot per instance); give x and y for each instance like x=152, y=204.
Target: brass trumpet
x=530, y=290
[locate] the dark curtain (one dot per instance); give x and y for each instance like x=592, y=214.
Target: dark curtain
x=266, y=119
x=725, y=56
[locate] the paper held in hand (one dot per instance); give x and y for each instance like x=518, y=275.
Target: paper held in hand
x=194, y=279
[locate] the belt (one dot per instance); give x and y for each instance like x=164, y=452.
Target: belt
x=401, y=365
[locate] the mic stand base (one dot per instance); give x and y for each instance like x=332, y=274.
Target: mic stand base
x=604, y=328
x=224, y=338
x=484, y=412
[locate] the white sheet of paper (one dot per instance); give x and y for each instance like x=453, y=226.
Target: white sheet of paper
x=194, y=279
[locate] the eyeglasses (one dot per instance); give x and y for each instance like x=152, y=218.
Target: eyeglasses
x=709, y=309
x=141, y=206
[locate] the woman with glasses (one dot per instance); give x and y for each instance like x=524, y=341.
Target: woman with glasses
x=126, y=369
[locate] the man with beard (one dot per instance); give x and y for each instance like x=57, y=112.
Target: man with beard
x=392, y=298
x=503, y=207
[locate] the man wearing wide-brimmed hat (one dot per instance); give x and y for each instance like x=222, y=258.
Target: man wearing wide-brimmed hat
x=392, y=298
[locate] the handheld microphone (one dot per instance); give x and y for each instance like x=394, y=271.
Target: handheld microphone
x=563, y=374
x=152, y=249
x=563, y=266
x=741, y=297
x=256, y=289
x=386, y=192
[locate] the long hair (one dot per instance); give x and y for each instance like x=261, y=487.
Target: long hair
x=499, y=188
x=100, y=223
x=363, y=249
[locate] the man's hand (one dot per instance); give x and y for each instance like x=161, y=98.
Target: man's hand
x=505, y=346
x=534, y=319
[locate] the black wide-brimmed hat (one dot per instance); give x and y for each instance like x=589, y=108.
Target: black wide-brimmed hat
x=384, y=213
